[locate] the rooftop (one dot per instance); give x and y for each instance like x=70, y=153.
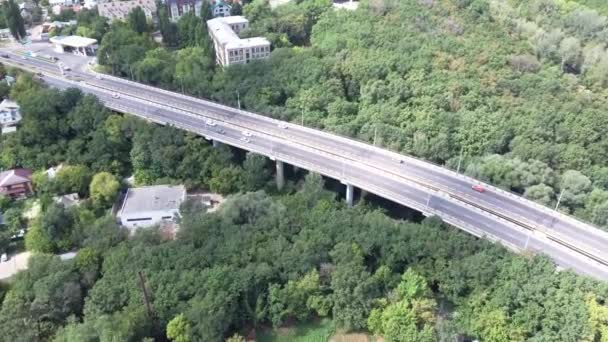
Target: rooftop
x=153, y=198
x=8, y=104
x=225, y=36
x=16, y=176
x=74, y=41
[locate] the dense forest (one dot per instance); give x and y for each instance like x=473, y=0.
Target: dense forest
x=514, y=89
x=517, y=88
x=265, y=259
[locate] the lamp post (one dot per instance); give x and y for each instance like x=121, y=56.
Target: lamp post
x=559, y=199
x=459, y=160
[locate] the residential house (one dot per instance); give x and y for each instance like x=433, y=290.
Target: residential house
x=65, y=3
x=16, y=183
x=10, y=115
x=26, y=8
x=219, y=8
x=119, y=10
x=229, y=47
x=90, y=4
x=151, y=205
x=178, y=8
x=5, y=34
x=68, y=200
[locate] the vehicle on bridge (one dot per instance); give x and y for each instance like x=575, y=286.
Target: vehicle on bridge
x=478, y=188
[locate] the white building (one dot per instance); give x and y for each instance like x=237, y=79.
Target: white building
x=78, y=45
x=151, y=205
x=5, y=34
x=229, y=47
x=119, y=10
x=220, y=9
x=178, y=8
x=90, y=4
x=9, y=114
x=63, y=2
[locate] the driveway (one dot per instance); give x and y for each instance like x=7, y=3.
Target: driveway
x=15, y=264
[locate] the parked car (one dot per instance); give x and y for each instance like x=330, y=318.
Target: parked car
x=4, y=257
x=282, y=125
x=478, y=188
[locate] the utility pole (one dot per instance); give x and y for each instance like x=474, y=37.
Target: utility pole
x=238, y=99
x=146, y=296
x=302, y=115
x=459, y=160
x=428, y=200
x=559, y=199
x=527, y=240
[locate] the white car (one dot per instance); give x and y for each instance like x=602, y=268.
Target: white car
x=116, y=95
x=210, y=122
x=245, y=139
x=246, y=133
x=4, y=257
x=282, y=125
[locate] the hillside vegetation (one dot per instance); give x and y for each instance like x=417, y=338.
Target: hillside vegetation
x=517, y=89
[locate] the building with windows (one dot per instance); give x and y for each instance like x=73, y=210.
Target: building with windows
x=220, y=8
x=119, y=10
x=16, y=183
x=151, y=205
x=178, y=8
x=229, y=47
x=9, y=115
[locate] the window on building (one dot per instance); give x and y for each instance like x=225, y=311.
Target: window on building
x=140, y=219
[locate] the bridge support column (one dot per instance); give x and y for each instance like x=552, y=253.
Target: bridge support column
x=216, y=143
x=350, y=194
x=280, y=175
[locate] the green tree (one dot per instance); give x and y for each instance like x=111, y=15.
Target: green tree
x=137, y=20
x=178, y=329
x=13, y=18
x=236, y=9
x=72, y=178
x=104, y=188
x=255, y=172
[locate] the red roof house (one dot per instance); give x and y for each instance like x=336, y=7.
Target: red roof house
x=16, y=183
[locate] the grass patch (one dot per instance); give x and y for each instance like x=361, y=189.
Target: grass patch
x=317, y=331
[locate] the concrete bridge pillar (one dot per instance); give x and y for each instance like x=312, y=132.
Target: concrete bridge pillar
x=280, y=175
x=350, y=194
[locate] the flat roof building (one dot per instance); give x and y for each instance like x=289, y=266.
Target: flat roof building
x=229, y=47
x=151, y=205
x=76, y=44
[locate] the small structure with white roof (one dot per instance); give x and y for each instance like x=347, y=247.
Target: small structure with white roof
x=229, y=47
x=151, y=205
x=78, y=45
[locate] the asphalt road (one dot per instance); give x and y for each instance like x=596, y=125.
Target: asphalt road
x=494, y=214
